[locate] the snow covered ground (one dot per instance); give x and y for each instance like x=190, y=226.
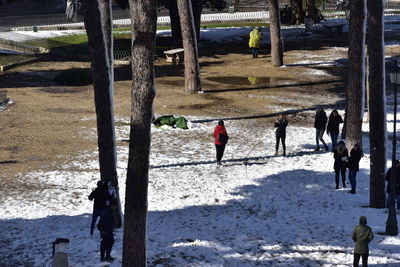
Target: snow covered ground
x=256, y=209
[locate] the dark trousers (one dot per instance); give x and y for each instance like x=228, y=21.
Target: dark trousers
x=282, y=138
x=106, y=244
x=343, y=173
x=96, y=213
x=334, y=138
x=353, y=181
x=319, y=137
x=220, y=151
x=254, y=51
x=357, y=259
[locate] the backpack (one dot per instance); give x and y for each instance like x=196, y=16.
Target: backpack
x=222, y=138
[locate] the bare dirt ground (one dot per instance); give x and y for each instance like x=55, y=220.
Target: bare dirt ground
x=50, y=124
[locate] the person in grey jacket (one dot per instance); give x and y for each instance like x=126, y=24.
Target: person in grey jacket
x=362, y=235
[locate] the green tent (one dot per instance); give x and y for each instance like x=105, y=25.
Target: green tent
x=170, y=120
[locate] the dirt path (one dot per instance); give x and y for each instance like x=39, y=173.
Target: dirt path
x=51, y=124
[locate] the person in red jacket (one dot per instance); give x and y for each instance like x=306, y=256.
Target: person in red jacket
x=221, y=138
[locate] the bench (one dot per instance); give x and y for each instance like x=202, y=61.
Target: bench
x=174, y=55
x=334, y=27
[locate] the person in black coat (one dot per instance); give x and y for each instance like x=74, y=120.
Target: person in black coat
x=388, y=178
x=106, y=226
x=100, y=196
x=353, y=165
x=341, y=156
x=319, y=125
x=280, y=133
x=333, y=127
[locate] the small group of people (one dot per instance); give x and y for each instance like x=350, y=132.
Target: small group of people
x=104, y=197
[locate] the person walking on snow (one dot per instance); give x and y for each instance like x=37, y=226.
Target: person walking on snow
x=100, y=196
x=388, y=178
x=333, y=127
x=362, y=235
x=353, y=165
x=319, y=125
x=341, y=156
x=106, y=226
x=221, y=138
x=280, y=133
x=255, y=40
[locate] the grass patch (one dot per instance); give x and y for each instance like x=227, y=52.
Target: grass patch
x=60, y=41
x=74, y=77
x=6, y=59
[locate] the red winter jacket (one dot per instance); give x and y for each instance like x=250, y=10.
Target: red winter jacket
x=219, y=130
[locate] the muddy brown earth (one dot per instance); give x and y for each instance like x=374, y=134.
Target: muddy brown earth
x=49, y=124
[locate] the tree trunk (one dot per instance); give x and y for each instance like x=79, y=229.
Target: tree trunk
x=377, y=102
x=192, y=69
x=356, y=73
x=312, y=10
x=298, y=12
x=102, y=72
x=107, y=24
x=275, y=33
x=143, y=15
x=197, y=8
x=174, y=19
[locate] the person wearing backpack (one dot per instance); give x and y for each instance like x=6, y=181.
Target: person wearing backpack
x=280, y=133
x=220, y=140
x=362, y=235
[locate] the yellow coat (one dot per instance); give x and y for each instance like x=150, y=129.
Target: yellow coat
x=255, y=38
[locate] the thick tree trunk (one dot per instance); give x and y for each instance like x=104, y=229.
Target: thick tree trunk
x=174, y=19
x=102, y=71
x=356, y=73
x=197, y=8
x=192, y=69
x=106, y=19
x=377, y=102
x=298, y=12
x=312, y=10
x=275, y=33
x=144, y=21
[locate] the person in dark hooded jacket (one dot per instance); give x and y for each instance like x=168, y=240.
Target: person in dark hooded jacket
x=333, y=127
x=388, y=178
x=106, y=227
x=220, y=140
x=353, y=165
x=319, y=125
x=280, y=133
x=362, y=235
x=100, y=196
x=341, y=156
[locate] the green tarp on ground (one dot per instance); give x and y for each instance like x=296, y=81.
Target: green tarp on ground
x=170, y=120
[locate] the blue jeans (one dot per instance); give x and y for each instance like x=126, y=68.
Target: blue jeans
x=353, y=182
x=334, y=138
x=397, y=197
x=254, y=51
x=96, y=213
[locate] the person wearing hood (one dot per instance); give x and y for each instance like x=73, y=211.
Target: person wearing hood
x=362, y=235
x=319, y=125
x=333, y=127
x=221, y=138
x=341, y=156
x=255, y=40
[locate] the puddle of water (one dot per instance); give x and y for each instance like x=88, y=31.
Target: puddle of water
x=251, y=80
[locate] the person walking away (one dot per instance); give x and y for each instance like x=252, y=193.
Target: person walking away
x=353, y=165
x=333, y=127
x=255, y=40
x=100, y=197
x=221, y=138
x=341, y=156
x=280, y=132
x=319, y=125
x=388, y=178
x=106, y=226
x=362, y=235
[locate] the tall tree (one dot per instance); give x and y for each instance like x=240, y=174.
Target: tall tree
x=312, y=10
x=298, y=12
x=356, y=73
x=192, y=68
x=377, y=102
x=143, y=15
x=275, y=33
x=98, y=25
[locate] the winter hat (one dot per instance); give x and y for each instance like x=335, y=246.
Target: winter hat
x=363, y=220
x=221, y=122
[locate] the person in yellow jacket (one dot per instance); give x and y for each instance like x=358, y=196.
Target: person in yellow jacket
x=254, y=42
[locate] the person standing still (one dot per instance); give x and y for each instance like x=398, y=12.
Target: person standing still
x=255, y=40
x=362, y=235
x=388, y=178
x=280, y=133
x=353, y=165
x=333, y=127
x=221, y=138
x=106, y=226
x=319, y=125
x=341, y=156
x=100, y=197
